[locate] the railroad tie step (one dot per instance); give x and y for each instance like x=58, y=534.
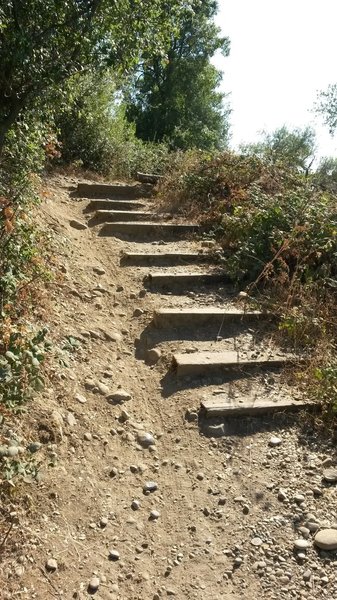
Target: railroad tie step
x=182, y=317
x=148, y=228
x=206, y=363
x=114, y=191
x=108, y=216
x=165, y=279
x=114, y=205
x=234, y=407
x=164, y=258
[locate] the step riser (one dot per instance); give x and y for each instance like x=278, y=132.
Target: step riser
x=188, y=370
x=169, y=260
x=101, y=191
x=186, y=320
x=114, y=205
x=187, y=282
x=106, y=216
x=254, y=409
x=147, y=231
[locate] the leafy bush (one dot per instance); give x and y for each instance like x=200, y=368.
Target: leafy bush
x=95, y=135
x=21, y=258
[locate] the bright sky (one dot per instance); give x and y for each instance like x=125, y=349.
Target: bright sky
x=282, y=53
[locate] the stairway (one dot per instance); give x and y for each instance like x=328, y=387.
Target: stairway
x=204, y=334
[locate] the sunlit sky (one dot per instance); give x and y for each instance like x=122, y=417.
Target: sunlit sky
x=282, y=53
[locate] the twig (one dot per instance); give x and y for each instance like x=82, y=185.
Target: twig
x=57, y=595
x=6, y=535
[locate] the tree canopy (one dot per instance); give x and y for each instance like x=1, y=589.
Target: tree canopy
x=174, y=97
x=43, y=42
x=293, y=149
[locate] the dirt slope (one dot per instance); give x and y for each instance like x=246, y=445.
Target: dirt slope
x=228, y=505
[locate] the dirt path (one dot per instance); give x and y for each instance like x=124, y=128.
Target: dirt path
x=229, y=501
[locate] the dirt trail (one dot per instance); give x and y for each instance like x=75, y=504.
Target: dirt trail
x=230, y=500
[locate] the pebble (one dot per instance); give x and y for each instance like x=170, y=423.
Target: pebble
x=150, y=486
x=51, y=564
x=301, y=544
x=12, y=451
x=71, y=419
x=281, y=496
x=135, y=505
x=34, y=447
x=99, y=270
x=114, y=555
x=81, y=399
x=138, y=312
x=103, y=388
x=330, y=475
x=256, y=541
x=326, y=539
x=145, y=439
x=154, y=515
x=87, y=436
x=94, y=584
x=119, y=397
x=103, y=522
x=275, y=441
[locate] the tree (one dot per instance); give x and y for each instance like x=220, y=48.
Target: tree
x=174, y=97
x=294, y=149
x=44, y=42
x=327, y=107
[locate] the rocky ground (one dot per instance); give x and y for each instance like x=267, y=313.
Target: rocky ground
x=138, y=496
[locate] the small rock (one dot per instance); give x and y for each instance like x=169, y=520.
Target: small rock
x=114, y=555
x=103, y=522
x=81, y=399
x=51, y=564
x=87, y=436
x=71, y=419
x=145, y=439
x=119, y=288
x=93, y=584
x=326, y=539
x=103, y=388
x=89, y=384
x=154, y=515
x=153, y=356
x=99, y=270
x=307, y=575
x=256, y=541
x=281, y=496
x=330, y=475
x=150, y=486
x=138, y=312
x=275, y=441
x=301, y=544
x=119, y=397
x=200, y=476
x=77, y=224
x=238, y=561
x=327, y=462
x=135, y=505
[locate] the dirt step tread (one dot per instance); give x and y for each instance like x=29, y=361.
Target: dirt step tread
x=200, y=362
x=216, y=407
x=163, y=317
x=167, y=277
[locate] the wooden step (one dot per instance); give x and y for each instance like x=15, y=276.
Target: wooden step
x=165, y=279
x=111, y=216
x=204, y=363
x=182, y=317
x=226, y=407
x=114, y=205
x=143, y=229
x=113, y=191
x=164, y=258
x=148, y=177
